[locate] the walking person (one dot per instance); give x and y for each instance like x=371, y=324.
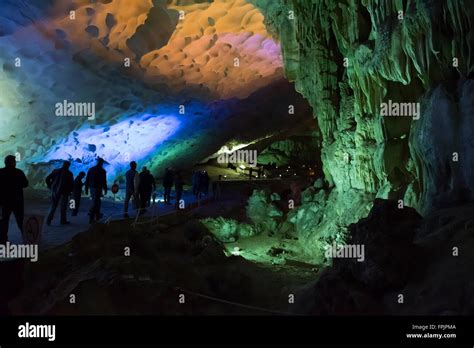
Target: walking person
x=168, y=181
x=96, y=181
x=153, y=188
x=77, y=192
x=61, y=183
x=145, y=188
x=12, y=183
x=178, y=186
x=216, y=190
x=130, y=191
x=195, y=181
x=204, y=183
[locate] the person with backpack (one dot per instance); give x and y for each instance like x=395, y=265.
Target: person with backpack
x=96, y=181
x=145, y=188
x=77, y=192
x=60, y=182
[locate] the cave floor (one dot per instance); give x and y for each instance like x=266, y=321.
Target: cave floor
x=163, y=265
x=37, y=203
x=263, y=249
x=253, y=283
x=262, y=276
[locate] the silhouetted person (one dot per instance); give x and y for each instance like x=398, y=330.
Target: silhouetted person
x=77, y=192
x=216, y=189
x=195, y=181
x=145, y=188
x=12, y=183
x=136, y=185
x=96, y=181
x=168, y=181
x=153, y=189
x=61, y=183
x=130, y=187
x=178, y=186
x=204, y=183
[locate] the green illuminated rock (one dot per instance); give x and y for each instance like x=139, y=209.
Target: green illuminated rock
x=348, y=57
x=228, y=230
x=262, y=212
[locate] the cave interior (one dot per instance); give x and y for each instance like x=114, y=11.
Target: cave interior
x=359, y=199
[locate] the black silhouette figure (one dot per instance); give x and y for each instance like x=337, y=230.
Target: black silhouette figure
x=130, y=178
x=60, y=182
x=195, y=181
x=178, y=186
x=96, y=181
x=203, y=183
x=12, y=183
x=77, y=192
x=153, y=188
x=168, y=181
x=146, y=184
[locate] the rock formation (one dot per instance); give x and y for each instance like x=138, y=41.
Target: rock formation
x=348, y=57
x=204, y=74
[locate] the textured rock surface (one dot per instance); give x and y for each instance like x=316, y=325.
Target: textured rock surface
x=228, y=230
x=222, y=47
x=165, y=261
x=262, y=212
x=183, y=45
x=81, y=59
x=389, y=55
x=427, y=261
x=323, y=217
x=301, y=148
x=442, y=145
x=390, y=260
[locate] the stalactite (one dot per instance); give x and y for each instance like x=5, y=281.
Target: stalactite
x=407, y=43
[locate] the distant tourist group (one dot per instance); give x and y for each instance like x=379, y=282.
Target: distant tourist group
x=139, y=186
x=62, y=185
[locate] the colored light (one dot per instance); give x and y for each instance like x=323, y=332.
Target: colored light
x=236, y=251
x=132, y=139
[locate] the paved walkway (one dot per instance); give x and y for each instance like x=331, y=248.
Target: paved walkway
x=58, y=234
x=37, y=203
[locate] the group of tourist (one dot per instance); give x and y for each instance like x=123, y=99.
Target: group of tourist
x=139, y=186
x=62, y=185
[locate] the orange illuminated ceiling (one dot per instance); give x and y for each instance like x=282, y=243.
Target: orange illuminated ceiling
x=220, y=48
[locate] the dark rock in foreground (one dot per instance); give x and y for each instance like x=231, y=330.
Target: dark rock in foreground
x=400, y=274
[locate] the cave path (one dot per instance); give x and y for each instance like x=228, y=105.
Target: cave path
x=57, y=234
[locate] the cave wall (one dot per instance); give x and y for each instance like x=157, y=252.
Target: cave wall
x=442, y=146
x=174, y=61
x=348, y=57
